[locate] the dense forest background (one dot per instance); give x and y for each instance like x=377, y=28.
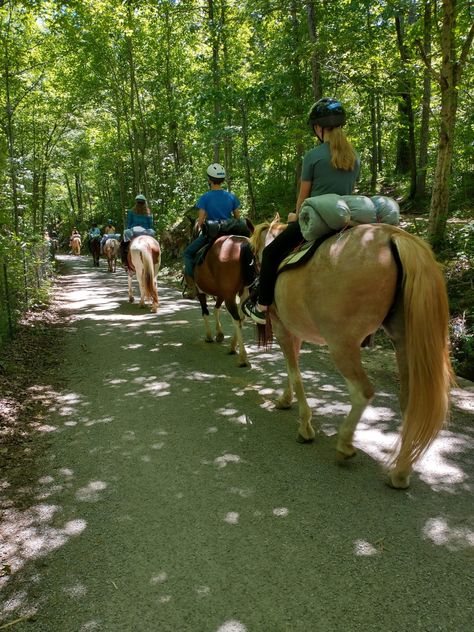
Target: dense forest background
x=104, y=99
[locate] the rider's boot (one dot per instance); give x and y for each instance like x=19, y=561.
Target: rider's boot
x=191, y=289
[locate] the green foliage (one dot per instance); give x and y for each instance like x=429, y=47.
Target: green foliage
x=102, y=100
x=25, y=277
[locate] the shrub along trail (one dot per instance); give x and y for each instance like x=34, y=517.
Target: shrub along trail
x=149, y=485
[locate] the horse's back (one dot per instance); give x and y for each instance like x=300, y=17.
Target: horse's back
x=346, y=288
x=220, y=274
x=143, y=244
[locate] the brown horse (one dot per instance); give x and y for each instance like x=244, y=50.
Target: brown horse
x=226, y=272
x=76, y=245
x=94, y=247
x=111, y=251
x=144, y=260
x=368, y=277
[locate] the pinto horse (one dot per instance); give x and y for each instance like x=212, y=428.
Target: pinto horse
x=111, y=251
x=76, y=245
x=364, y=278
x=144, y=259
x=226, y=272
x=94, y=247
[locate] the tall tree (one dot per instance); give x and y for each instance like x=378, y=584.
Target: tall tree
x=454, y=54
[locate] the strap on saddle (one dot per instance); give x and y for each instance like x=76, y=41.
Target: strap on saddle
x=216, y=228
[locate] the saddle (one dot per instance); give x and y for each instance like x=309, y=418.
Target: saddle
x=212, y=229
x=303, y=252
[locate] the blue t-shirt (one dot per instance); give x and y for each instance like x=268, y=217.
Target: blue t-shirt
x=218, y=204
x=135, y=219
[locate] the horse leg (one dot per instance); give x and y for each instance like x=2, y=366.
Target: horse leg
x=130, y=288
x=205, y=316
x=217, y=319
x=291, y=346
x=399, y=477
x=237, y=338
x=346, y=357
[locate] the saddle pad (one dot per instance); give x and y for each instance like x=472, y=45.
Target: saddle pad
x=303, y=253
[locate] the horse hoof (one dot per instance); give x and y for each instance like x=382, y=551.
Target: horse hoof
x=282, y=405
x=244, y=364
x=219, y=337
x=398, y=481
x=208, y=340
x=131, y=300
x=342, y=457
x=302, y=439
x=232, y=352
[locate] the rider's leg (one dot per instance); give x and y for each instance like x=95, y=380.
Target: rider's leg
x=189, y=256
x=272, y=256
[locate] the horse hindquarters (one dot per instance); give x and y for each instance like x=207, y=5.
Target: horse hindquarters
x=146, y=257
x=419, y=330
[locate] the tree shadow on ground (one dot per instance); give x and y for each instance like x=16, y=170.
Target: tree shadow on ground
x=172, y=495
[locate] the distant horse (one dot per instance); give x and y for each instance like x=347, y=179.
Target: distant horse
x=111, y=251
x=144, y=259
x=226, y=273
x=76, y=245
x=368, y=277
x=94, y=247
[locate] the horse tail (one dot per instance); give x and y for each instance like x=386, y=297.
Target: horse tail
x=428, y=371
x=148, y=276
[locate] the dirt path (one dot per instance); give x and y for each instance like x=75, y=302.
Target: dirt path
x=171, y=497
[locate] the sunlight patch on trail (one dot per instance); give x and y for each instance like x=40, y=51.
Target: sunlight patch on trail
x=232, y=626
x=453, y=538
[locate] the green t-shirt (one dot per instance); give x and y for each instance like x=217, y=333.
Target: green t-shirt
x=318, y=170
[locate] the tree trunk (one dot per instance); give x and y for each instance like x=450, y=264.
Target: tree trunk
x=450, y=73
x=374, y=159
x=248, y=172
x=11, y=142
x=214, y=35
x=425, y=107
x=406, y=149
x=79, y=196
x=316, y=80
x=70, y=193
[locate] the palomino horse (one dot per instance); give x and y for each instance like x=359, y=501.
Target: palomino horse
x=144, y=259
x=226, y=272
x=76, y=245
x=111, y=251
x=368, y=277
x=94, y=247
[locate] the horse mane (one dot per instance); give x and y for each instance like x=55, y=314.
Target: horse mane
x=275, y=225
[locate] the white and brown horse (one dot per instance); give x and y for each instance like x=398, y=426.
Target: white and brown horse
x=226, y=272
x=368, y=277
x=76, y=245
x=111, y=251
x=144, y=260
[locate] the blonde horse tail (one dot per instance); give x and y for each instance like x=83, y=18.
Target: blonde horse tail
x=148, y=275
x=429, y=372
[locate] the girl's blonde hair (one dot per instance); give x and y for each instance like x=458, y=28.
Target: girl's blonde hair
x=343, y=155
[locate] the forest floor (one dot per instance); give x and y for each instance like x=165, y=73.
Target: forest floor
x=148, y=483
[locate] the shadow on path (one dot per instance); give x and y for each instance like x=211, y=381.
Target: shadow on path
x=172, y=497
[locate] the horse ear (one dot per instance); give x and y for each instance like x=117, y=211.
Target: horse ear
x=275, y=220
x=250, y=225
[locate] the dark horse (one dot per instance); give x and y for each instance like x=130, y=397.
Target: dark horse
x=94, y=247
x=226, y=272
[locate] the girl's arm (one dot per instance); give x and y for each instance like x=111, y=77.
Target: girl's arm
x=305, y=190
